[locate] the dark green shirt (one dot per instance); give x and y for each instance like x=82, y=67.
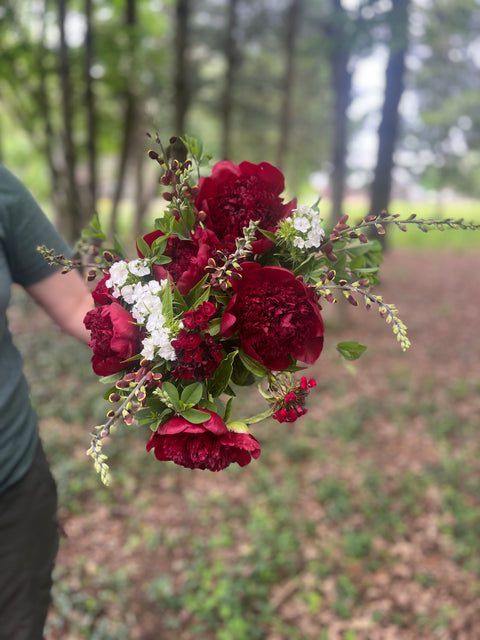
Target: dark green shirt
x=23, y=227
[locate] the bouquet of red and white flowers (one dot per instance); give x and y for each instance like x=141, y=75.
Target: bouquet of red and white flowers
x=225, y=291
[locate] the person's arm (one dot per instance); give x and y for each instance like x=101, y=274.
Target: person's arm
x=66, y=298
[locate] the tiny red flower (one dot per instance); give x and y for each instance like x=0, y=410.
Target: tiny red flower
x=209, y=445
x=233, y=195
x=199, y=317
x=197, y=355
x=289, y=415
x=288, y=397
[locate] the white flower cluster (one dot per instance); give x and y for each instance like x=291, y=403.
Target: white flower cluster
x=146, y=305
x=307, y=221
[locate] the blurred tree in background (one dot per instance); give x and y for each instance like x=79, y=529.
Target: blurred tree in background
x=82, y=80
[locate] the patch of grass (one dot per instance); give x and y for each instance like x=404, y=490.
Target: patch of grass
x=89, y=601
x=334, y=494
x=231, y=601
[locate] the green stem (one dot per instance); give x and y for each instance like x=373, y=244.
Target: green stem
x=259, y=417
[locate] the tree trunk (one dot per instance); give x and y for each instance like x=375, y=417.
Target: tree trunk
x=180, y=81
x=129, y=118
x=341, y=85
x=90, y=106
x=394, y=86
x=75, y=223
x=292, y=21
x=44, y=107
x=232, y=57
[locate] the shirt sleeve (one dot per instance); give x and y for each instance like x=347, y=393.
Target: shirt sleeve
x=28, y=228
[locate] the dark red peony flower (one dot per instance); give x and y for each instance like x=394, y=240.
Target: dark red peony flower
x=115, y=338
x=209, y=445
x=101, y=294
x=189, y=257
x=233, y=195
x=276, y=315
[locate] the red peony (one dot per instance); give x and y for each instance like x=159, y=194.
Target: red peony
x=276, y=315
x=189, y=257
x=115, y=338
x=233, y=195
x=209, y=445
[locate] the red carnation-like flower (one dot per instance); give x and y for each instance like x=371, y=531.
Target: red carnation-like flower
x=233, y=195
x=189, y=257
x=197, y=353
x=209, y=445
x=288, y=398
x=276, y=315
x=198, y=356
x=115, y=338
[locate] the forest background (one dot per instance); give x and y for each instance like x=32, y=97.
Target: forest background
x=362, y=96
x=362, y=522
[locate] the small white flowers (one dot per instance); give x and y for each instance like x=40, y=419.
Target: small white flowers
x=118, y=276
x=146, y=305
x=307, y=221
x=139, y=268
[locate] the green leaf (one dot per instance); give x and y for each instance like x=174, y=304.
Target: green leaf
x=106, y=395
x=161, y=260
x=179, y=301
x=214, y=326
x=160, y=419
x=159, y=245
x=228, y=410
x=268, y=234
x=146, y=416
x=351, y=350
x=188, y=217
x=192, y=394
x=143, y=247
x=119, y=248
x=179, y=230
x=217, y=384
x=167, y=303
x=109, y=379
x=253, y=365
x=195, y=416
x=195, y=293
x=94, y=229
x=172, y=393
x=204, y=294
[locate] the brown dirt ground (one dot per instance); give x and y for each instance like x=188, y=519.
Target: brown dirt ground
x=438, y=298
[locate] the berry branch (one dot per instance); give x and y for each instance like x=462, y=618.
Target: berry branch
x=387, y=311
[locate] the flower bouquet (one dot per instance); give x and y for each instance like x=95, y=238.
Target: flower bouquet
x=225, y=291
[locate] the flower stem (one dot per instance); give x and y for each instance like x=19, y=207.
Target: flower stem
x=103, y=431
